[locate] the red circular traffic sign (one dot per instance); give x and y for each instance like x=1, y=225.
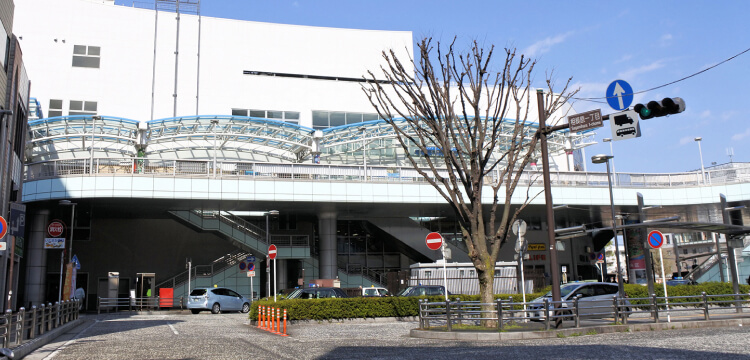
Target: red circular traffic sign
x=272, y=252
x=434, y=240
x=655, y=239
x=3, y=227
x=55, y=228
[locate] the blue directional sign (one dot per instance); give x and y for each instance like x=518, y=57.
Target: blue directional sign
x=619, y=95
x=655, y=239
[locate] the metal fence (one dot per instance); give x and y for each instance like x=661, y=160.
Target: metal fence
x=653, y=308
x=26, y=325
x=137, y=304
x=311, y=172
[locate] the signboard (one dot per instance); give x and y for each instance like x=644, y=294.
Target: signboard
x=242, y=266
x=272, y=252
x=655, y=239
x=600, y=261
x=537, y=247
x=619, y=95
x=55, y=228
x=250, y=259
x=434, y=240
x=250, y=266
x=585, y=121
x=3, y=227
x=54, y=243
x=251, y=274
x=624, y=125
x=17, y=219
x=600, y=257
x=76, y=262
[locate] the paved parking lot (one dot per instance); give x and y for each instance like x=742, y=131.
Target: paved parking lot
x=229, y=336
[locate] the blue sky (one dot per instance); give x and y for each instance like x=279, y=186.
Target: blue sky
x=646, y=43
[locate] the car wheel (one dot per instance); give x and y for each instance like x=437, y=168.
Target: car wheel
x=215, y=309
x=195, y=311
x=245, y=308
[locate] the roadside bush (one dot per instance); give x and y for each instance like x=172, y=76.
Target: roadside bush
x=694, y=291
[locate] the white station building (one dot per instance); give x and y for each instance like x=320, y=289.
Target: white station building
x=184, y=138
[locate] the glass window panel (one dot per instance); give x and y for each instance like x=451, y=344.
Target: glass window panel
x=53, y=113
x=86, y=61
x=78, y=113
x=94, y=50
x=79, y=49
x=55, y=104
x=89, y=106
x=258, y=113
x=320, y=119
x=369, y=117
x=352, y=118
x=291, y=115
x=275, y=114
x=338, y=119
x=239, y=112
x=76, y=105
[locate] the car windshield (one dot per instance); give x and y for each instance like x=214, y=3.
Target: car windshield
x=294, y=294
x=198, y=292
x=564, y=290
x=405, y=291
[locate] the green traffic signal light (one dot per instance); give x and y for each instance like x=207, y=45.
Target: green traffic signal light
x=667, y=106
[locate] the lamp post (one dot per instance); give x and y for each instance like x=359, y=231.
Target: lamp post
x=268, y=242
x=700, y=152
x=612, y=153
x=604, y=159
x=214, y=122
x=72, y=219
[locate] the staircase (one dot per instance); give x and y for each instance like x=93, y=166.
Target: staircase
x=243, y=234
x=215, y=273
x=413, y=235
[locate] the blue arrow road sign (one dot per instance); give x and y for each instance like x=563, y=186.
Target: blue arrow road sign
x=619, y=95
x=655, y=239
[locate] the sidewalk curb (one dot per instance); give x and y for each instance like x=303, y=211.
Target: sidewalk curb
x=605, y=329
x=29, y=346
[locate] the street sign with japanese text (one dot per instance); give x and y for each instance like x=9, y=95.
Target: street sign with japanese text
x=585, y=121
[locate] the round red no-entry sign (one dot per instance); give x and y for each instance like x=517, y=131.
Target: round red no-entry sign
x=55, y=228
x=434, y=240
x=272, y=252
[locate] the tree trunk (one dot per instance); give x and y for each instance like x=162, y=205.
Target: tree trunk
x=487, y=294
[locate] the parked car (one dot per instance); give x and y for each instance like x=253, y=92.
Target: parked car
x=317, y=293
x=373, y=291
x=423, y=290
x=217, y=300
x=595, y=300
x=674, y=282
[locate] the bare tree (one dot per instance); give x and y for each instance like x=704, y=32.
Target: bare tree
x=452, y=113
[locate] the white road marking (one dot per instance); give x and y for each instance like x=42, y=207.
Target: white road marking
x=54, y=353
x=173, y=329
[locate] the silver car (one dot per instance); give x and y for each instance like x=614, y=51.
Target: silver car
x=595, y=300
x=217, y=300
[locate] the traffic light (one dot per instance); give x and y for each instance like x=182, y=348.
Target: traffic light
x=667, y=106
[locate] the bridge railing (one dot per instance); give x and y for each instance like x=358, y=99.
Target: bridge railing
x=737, y=173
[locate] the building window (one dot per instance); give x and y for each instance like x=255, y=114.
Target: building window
x=327, y=119
x=288, y=116
x=55, y=107
x=78, y=107
x=86, y=56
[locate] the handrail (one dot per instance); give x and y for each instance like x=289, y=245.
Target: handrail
x=738, y=173
x=25, y=325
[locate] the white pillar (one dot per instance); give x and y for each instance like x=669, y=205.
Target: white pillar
x=327, y=225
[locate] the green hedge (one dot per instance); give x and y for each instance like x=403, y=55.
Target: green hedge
x=362, y=307
x=374, y=307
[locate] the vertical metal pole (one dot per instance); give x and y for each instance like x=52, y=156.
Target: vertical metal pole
x=732, y=260
x=643, y=240
x=703, y=170
x=198, y=66
x=553, y=266
x=620, y=287
x=190, y=271
x=718, y=257
x=72, y=219
x=91, y=161
x=445, y=276
x=664, y=285
x=62, y=260
x=274, y=280
x=268, y=265
x=176, y=58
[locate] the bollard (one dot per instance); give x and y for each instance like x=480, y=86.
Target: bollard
x=546, y=313
x=705, y=305
x=616, y=308
x=576, y=310
x=33, y=322
x=259, y=307
x=448, y=315
x=499, y=315
x=8, y=317
x=277, y=330
x=656, y=308
x=284, y=333
x=21, y=321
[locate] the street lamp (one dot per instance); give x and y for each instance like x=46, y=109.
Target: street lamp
x=72, y=219
x=214, y=122
x=700, y=152
x=602, y=159
x=611, y=153
x=268, y=242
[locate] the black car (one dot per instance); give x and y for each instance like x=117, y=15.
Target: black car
x=317, y=293
x=423, y=290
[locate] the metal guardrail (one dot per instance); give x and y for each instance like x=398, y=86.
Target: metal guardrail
x=738, y=173
x=137, y=304
x=458, y=312
x=23, y=325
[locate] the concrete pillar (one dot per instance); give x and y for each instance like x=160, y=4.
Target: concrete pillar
x=281, y=275
x=327, y=225
x=36, y=271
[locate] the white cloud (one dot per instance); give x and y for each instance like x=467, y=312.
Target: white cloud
x=666, y=37
x=624, y=58
x=542, y=46
x=686, y=140
x=738, y=137
x=705, y=114
x=632, y=73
